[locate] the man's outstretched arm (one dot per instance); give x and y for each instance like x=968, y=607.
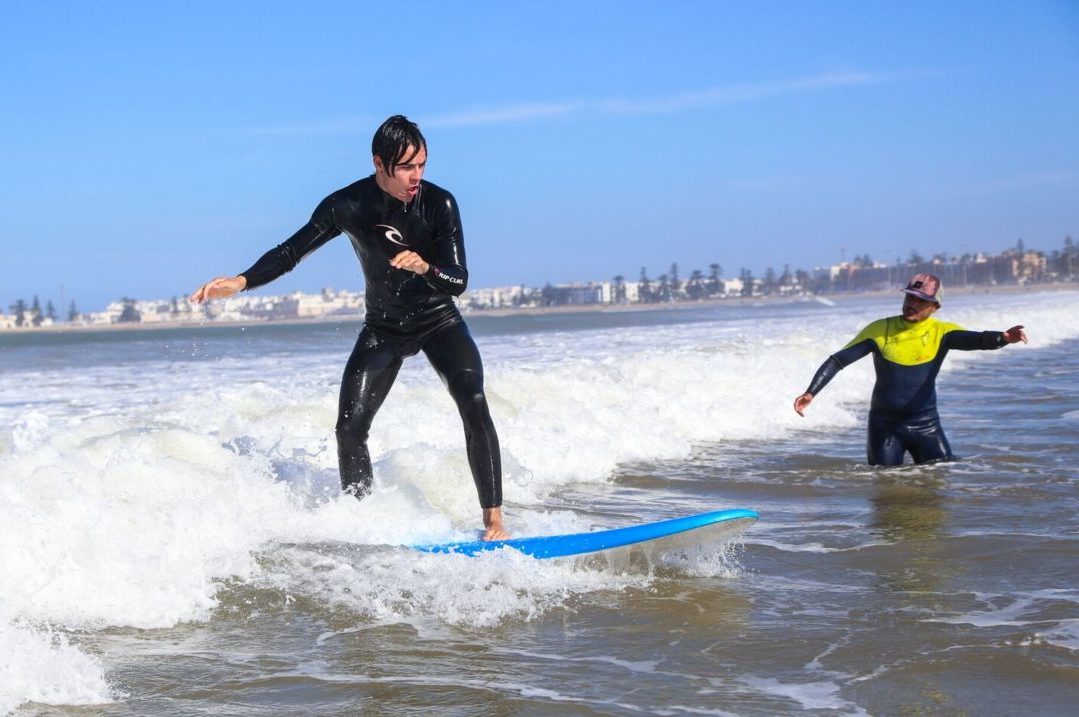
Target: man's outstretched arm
x=828, y=370
x=221, y=287
x=281, y=259
x=984, y=340
x=1015, y=334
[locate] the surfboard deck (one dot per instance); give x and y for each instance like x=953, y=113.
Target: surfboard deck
x=677, y=532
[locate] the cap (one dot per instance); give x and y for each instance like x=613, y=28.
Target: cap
x=924, y=286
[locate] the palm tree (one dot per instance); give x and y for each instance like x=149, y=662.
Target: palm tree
x=619, y=293
x=695, y=285
x=35, y=312
x=747, y=282
x=130, y=313
x=663, y=291
x=769, y=280
x=644, y=292
x=19, y=310
x=675, y=284
x=715, y=284
x=547, y=294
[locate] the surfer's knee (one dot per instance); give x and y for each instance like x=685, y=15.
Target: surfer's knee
x=886, y=454
x=354, y=426
x=932, y=447
x=467, y=390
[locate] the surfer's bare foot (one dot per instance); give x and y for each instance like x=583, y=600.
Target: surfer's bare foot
x=492, y=524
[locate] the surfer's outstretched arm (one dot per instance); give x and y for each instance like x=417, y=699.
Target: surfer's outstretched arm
x=281, y=259
x=984, y=340
x=1015, y=334
x=828, y=370
x=220, y=287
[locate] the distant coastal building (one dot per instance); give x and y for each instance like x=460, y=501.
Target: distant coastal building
x=505, y=297
x=245, y=307
x=575, y=294
x=329, y=303
x=1009, y=267
x=733, y=287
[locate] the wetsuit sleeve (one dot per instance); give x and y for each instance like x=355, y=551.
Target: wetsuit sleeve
x=974, y=340
x=448, y=271
x=284, y=257
x=837, y=362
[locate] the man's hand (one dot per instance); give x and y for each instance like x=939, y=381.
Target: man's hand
x=411, y=261
x=220, y=288
x=492, y=522
x=802, y=403
x=1015, y=334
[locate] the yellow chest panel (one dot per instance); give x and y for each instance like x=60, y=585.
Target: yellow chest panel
x=905, y=343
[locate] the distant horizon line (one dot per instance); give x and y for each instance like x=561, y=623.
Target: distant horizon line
x=898, y=262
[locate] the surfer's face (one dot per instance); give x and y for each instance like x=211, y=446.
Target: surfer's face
x=915, y=309
x=404, y=183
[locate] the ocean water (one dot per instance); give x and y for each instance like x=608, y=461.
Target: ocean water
x=174, y=542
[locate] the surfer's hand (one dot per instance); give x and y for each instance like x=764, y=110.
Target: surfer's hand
x=492, y=523
x=221, y=287
x=802, y=403
x=411, y=261
x=1015, y=334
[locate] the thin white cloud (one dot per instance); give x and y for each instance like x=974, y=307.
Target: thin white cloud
x=680, y=102
x=738, y=94
x=509, y=113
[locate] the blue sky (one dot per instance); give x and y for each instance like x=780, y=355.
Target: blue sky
x=147, y=147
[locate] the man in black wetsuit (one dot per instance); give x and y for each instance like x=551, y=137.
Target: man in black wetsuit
x=908, y=351
x=407, y=234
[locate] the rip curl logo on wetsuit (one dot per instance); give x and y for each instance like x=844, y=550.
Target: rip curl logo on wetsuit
x=393, y=234
x=447, y=277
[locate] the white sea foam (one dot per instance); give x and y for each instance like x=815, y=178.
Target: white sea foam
x=812, y=547
x=818, y=695
x=1064, y=634
x=387, y=585
x=42, y=666
x=128, y=493
x=1019, y=609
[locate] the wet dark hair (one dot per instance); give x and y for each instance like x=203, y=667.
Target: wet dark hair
x=392, y=140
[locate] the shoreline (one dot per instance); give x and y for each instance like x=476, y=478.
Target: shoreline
x=541, y=310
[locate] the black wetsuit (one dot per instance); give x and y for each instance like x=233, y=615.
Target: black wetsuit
x=406, y=313
x=907, y=358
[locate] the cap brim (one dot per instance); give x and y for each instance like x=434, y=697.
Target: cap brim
x=921, y=295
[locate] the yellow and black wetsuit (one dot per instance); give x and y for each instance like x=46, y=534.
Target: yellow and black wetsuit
x=907, y=358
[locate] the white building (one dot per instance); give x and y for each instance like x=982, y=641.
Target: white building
x=497, y=298
x=328, y=303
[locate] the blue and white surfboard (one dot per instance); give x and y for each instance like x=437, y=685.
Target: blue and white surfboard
x=678, y=532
